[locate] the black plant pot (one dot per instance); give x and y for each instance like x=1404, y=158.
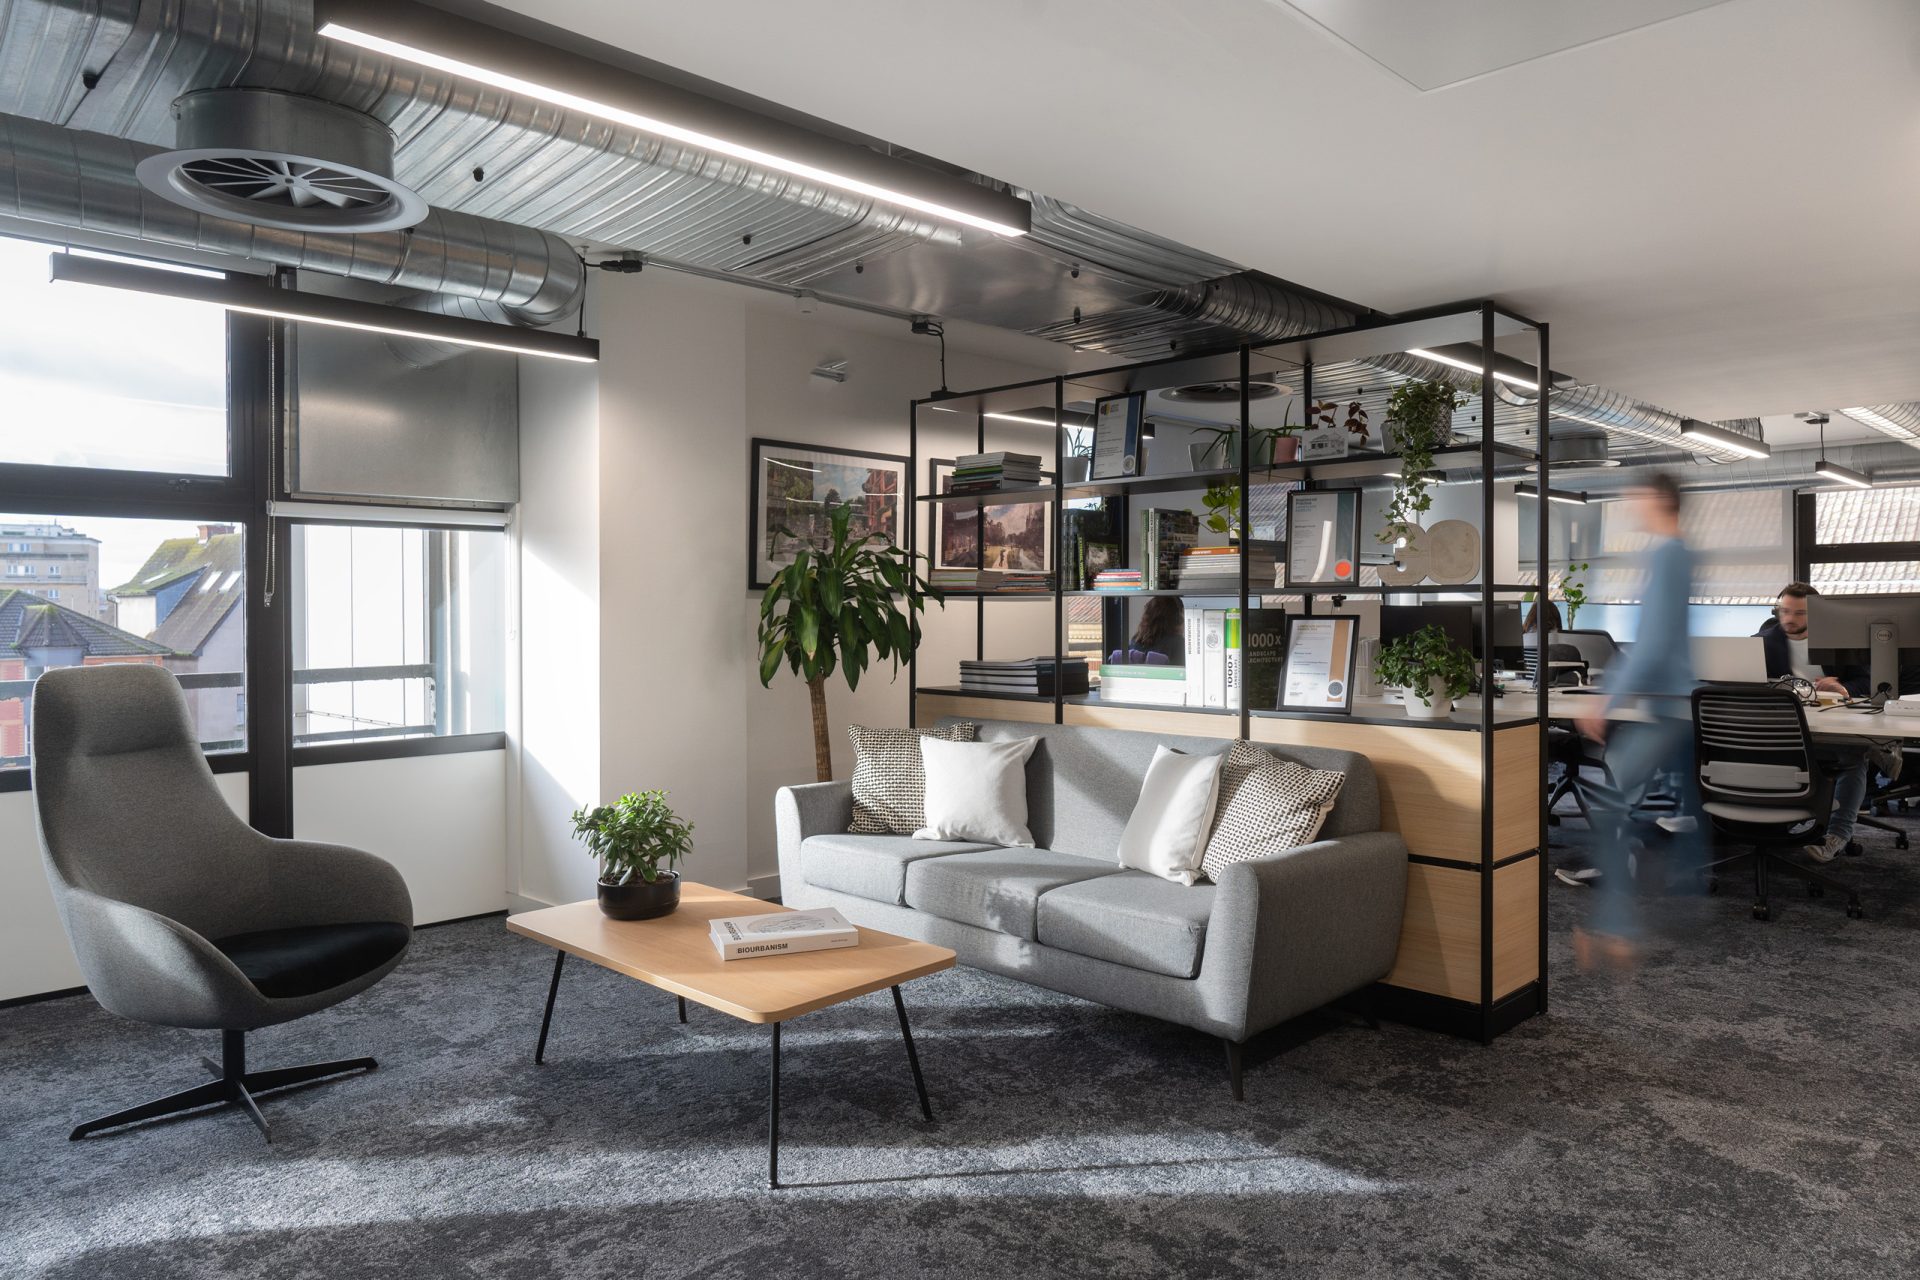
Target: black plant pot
x=639, y=899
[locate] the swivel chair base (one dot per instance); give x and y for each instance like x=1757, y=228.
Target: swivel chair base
x=232, y=1085
x=1767, y=858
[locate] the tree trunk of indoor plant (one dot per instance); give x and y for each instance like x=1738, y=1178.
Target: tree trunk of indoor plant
x=822, y=743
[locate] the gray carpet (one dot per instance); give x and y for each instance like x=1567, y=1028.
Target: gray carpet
x=1747, y=1105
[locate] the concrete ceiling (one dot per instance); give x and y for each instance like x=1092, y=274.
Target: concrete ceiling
x=1717, y=212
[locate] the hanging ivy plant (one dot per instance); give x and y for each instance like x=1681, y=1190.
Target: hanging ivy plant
x=1421, y=414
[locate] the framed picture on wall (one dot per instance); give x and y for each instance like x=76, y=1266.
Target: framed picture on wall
x=794, y=487
x=1018, y=536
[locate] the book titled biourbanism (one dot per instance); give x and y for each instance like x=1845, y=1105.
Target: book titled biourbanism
x=781, y=933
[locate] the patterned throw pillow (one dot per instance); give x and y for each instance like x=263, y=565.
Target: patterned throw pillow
x=889, y=782
x=1267, y=805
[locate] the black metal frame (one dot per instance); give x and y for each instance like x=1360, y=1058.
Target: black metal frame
x=773, y=1064
x=232, y=1086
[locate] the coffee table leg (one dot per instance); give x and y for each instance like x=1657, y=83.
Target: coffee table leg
x=773, y=1115
x=683, y=1007
x=546, y=1019
x=913, y=1058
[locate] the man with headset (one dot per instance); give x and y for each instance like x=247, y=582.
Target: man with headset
x=1785, y=637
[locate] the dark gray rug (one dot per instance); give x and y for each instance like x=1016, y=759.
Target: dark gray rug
x=1747, y=1105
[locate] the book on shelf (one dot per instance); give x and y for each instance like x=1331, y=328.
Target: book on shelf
x=1218, y=568
x=1256, y=657
x=1154, y=684
x=781, y=933
x=1031, y=676
x=1165, y=534
x=1118, y=580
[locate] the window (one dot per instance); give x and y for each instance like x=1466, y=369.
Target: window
x=1861, y=541
x=399, y=632
x=1742, y=541
x=134, y=603
x=115, y=380
x=1865, y=577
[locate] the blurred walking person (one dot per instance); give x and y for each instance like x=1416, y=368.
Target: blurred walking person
x=1656, y=674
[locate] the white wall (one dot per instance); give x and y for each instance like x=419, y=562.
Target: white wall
x=440, y=819
x=34, y=955
x=652, y=509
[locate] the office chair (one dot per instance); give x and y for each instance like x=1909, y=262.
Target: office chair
x=1595, y=648
x=1760, y=785
x=179, y=913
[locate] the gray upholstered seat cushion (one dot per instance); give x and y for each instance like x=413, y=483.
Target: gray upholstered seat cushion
x=872, y=867
x=997, y=888
x=1134, y=918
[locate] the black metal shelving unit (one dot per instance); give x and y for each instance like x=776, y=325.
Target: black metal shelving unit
x=1482, y=325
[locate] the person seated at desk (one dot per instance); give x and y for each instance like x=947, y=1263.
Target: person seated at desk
x=1785, y=636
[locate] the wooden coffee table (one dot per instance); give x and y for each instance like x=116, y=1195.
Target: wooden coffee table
x=675, y=954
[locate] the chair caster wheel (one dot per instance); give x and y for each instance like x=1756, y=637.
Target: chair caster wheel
x=1900, y=843
x=1761, y=911
x=1713, y=884
x=1853, y=911
x=1853, y=849
x=1553, y=819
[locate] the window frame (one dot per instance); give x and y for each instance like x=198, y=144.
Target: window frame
x=1808, y=550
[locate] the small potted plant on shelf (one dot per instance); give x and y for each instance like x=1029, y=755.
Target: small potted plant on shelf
x=1430, y=668
x=1421, y=415
x=631, y=839
x=1222, y=502
x=1271, y=445
x=1077, y=466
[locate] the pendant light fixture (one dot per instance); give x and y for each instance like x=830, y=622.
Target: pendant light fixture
x=1833, y=470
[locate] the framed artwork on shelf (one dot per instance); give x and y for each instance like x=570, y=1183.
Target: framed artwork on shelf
x=1319, y=666
x=794, y=487
x=1016, y=537
x=1323, y=537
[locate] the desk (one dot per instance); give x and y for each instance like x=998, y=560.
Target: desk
x=1833, y=722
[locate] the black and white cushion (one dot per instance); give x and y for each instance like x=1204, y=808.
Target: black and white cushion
x=1267, y=805
x=889, y=780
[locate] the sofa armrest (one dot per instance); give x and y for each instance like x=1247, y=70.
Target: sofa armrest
x=1308, y=926
x=814, y=809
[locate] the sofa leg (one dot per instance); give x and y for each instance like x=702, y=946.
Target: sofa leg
x=1233, y=1069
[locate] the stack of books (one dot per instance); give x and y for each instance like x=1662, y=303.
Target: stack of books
x=1164, y=536
x=986, y=472
x=1157, y=685
x=1000, y=581
x=1119, y=580
x=1217, y=569
x=777, y=933
x=1033, y=676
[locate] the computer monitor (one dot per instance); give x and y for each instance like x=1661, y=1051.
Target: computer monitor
x=1461, y=623
x=1875, y=630
x=1730, y=659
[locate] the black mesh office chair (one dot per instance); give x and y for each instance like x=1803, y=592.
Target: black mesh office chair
x=1760, y=785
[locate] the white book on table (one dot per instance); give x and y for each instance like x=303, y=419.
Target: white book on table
x=781, y=933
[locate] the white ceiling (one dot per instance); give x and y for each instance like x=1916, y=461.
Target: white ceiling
x=1719, y=213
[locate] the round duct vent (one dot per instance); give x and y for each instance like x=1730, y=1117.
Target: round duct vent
x=1577, y=453
x=1258, y=388
x=281, y=160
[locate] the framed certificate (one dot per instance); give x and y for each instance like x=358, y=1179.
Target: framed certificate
x=1323, y=537
x=1116, y=435
x=1319, y=671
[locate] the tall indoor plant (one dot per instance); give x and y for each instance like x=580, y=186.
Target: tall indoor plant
x=631, y=839
x=853, y=601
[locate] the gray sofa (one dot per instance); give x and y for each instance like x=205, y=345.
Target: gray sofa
x=1274, y=939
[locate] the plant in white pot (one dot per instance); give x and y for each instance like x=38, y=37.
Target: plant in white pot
x=631, y=839
x=1430, y=668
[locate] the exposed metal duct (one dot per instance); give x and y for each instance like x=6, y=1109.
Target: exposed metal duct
x=85, y=181
x=1886, y=463
x=1899, y=421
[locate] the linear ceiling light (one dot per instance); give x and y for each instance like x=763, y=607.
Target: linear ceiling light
x=314, y=308
x=1553, y=495
x=488, y=55
x=1455, y=362
x=1717, y=437
x=1844, y=475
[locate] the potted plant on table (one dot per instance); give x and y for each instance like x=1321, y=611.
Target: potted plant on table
x=856, y=599
x=1431, y=668
x=1421, y=416
x=631, y=839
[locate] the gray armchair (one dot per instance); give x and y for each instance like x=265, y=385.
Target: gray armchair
x=181, y=914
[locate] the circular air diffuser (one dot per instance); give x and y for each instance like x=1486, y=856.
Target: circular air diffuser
x=1258, y=388
x=281, y=160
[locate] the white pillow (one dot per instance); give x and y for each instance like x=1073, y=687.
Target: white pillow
x=1167, y=833
x=977, y=791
